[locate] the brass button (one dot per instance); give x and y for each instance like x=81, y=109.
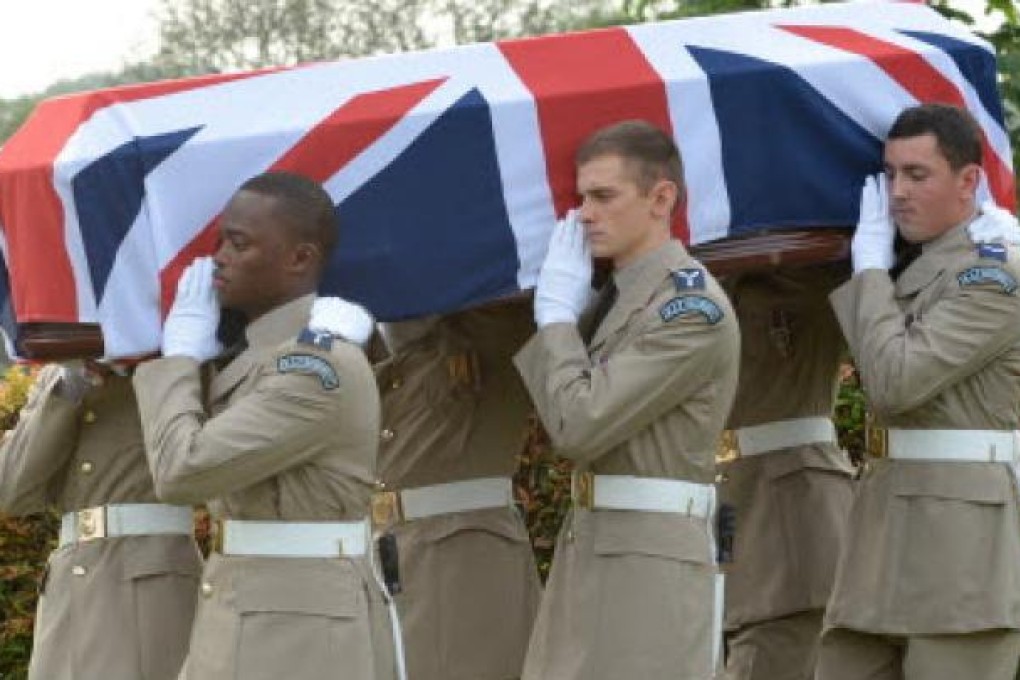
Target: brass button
x=207, y=589
x=89, y=416
x=87, y=467
x=78, y=570
x=395, y=385
x=387, y=434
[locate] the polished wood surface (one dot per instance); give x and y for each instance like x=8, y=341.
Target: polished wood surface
x=759, y=252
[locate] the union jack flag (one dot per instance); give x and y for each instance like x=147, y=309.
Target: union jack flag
x=448, y=167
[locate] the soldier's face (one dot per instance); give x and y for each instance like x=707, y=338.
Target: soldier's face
x=621, y=220
x=250, y=273
x=927, y=197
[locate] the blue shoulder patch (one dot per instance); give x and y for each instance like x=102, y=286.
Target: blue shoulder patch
x=683, y=305
x=320, y=339
x=993, y=251
x=688, y=279
x=309, y=364
x=984, y=275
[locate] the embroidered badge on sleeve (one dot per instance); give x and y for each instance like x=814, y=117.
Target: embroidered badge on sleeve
x=683, y=305
x=309, y=364
x=976, y=276
x=321, y=339
x=688, y=279
x=992, y=251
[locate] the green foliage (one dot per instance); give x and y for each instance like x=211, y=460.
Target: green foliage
x=24, y=545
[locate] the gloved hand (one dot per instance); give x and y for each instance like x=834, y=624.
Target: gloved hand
x=74, y=380
x=994, y=224
x=337, y=316
x=564, y=281
x=872, y=244
x=190, y=328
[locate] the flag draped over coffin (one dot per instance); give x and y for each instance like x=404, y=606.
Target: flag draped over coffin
x=449, y=167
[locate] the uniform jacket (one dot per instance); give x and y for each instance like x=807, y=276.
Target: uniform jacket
x=454, y=409
x=630, y=593
x=934, y=547
x=791, y=504
x=282, y=439
x=118, y=608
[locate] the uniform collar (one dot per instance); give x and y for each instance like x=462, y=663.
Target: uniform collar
x=636, y=285
x=280, y=324
x=951, y=240
x=641, y=277
x=935, y=256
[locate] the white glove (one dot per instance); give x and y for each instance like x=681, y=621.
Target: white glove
x=872, y=245
x=994, y=224
x=74, y=380
x=564, y=281
x=337, y=316
x=190, y=328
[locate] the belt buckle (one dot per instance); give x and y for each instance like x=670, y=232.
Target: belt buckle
x=728, y=447
x=582, y=489
x=90, y=524
x=877, y=441
x=387, y=509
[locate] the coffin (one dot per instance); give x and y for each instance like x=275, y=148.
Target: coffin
x=449, y=167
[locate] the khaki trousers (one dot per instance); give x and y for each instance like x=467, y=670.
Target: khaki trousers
x=851, y=655
x=785, y=648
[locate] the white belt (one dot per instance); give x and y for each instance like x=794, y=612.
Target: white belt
x=977, y=446
x=294, y=539
x=134, y=519
x=781, y=434
x=389, y=507
x=646, y=494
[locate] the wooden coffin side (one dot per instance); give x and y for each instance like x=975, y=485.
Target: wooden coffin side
x=760, y=252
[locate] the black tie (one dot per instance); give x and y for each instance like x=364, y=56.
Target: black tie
x=606, y=301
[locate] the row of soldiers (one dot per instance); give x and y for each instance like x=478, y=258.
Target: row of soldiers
x=365, y=526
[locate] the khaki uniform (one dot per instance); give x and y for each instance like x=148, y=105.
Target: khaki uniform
x=791, y=504
x=116, y=608
x=278, y=445
x=933, y=548
x=454, y=409
x=631, y=593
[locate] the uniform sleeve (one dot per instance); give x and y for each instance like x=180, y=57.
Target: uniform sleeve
x=588, y=410
x=276, y=426
x=904, y=365
x=34, y=453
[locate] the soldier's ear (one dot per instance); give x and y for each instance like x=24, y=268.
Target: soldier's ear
x=305, y=257
x=665, y=195
x=970, y=178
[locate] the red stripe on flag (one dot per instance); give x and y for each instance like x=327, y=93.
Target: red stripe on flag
x=924, y=82
x=30, y=210
x=582, y=82
x=319, y=155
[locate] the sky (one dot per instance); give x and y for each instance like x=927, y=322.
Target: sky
x=43, y=41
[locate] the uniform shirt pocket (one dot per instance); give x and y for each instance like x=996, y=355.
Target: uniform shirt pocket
x=947, y=531
x=662, y=535
x=302, y=619
x=163, y=576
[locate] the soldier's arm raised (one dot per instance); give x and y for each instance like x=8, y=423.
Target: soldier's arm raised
x=903, y=364
x=299, y=395
x=589, y=409
x=33, y=454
